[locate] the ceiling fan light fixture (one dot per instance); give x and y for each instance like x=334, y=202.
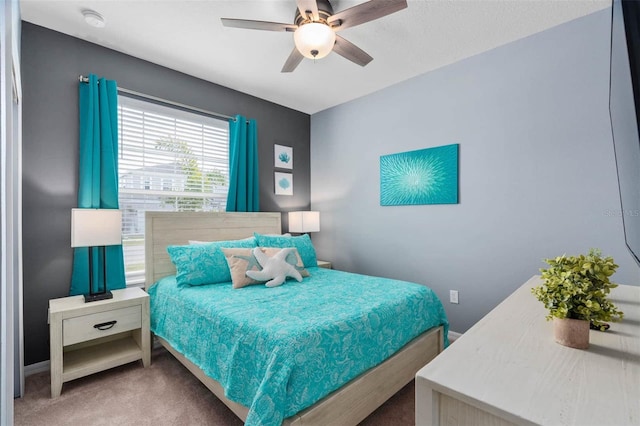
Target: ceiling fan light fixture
x=314, y=40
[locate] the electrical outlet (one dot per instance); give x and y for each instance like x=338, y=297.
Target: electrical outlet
x=453, y=296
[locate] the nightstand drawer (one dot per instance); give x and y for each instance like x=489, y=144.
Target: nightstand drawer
x=100, y=324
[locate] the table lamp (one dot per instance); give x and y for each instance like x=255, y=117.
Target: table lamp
x=96, y=229
x=303, y=222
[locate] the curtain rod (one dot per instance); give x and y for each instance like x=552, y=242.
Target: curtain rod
x=84, y=79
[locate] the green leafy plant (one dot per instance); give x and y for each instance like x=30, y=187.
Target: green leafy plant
x=577, y=287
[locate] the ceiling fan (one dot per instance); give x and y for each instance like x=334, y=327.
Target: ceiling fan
x=315, y=27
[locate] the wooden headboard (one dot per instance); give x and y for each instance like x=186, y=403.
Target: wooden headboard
x=177, y=228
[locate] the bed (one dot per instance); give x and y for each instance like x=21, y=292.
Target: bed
x=346, y=403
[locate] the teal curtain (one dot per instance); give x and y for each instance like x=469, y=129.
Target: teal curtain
x=98, y=179
x=243, y=166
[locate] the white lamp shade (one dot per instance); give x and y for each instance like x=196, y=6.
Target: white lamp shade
x=96, y=227
x=304, y=222
x=314, y=38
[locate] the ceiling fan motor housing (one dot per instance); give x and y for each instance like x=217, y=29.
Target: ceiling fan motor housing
x=325, y=10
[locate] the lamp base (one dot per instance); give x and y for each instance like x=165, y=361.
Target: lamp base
x=98, y=296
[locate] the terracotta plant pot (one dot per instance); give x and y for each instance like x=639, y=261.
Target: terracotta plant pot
x=571, y=332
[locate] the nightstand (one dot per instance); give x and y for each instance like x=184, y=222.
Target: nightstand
x=91, y=337
x=324, y=264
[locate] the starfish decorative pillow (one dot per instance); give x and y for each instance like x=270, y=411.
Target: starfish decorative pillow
x=242, y=260
x=275, y=269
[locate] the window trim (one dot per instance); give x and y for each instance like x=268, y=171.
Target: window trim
x=208, y=153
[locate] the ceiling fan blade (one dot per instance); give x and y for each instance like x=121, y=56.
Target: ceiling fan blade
x=257, y=25
x=352, y=52
x=308, y=5
x=365, y=12
x=292, y=61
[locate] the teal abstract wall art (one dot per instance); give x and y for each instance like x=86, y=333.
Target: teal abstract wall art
x=283, y=156
x=283, y=183
x=425, y=176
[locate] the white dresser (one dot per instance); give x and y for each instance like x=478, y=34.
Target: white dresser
x=507, y=369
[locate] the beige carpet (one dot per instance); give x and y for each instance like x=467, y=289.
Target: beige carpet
x=166, y=393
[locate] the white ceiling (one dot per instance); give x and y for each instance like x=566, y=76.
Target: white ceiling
x=187, y=35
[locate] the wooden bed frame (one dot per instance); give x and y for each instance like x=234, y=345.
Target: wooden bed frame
x=346, y=406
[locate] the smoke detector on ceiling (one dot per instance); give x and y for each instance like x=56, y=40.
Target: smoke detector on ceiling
x=93, y=18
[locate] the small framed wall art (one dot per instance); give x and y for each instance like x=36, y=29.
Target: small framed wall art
x=283, y=183
x=283, y=157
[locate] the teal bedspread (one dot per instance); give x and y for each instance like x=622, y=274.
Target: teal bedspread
x=279, y=350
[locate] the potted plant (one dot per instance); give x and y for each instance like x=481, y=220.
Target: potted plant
x=575, y=291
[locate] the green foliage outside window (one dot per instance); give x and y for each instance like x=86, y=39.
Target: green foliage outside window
x=196, y=180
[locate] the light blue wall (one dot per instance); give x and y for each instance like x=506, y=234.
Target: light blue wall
x=537, y=170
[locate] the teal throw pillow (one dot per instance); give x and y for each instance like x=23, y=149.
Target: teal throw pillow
x=200, y=264
x=302, y=243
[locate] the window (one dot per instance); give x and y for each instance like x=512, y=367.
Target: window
x=168, y=160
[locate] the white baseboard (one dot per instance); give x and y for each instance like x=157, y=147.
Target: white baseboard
x=453, y=336
x=38, y=367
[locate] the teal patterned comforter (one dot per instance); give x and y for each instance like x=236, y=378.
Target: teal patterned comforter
x=279, y=350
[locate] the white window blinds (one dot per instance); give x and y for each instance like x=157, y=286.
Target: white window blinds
x=168, y=160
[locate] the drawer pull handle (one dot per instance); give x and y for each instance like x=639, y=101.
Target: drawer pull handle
x=105, y=325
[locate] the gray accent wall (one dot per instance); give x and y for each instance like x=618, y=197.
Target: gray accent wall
x=537, y=171
x=51, y=63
